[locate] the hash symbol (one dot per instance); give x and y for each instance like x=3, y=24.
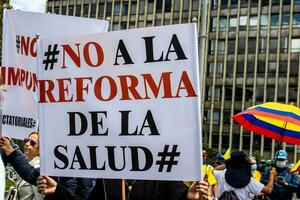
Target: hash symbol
x=166, y=154
x=51, y=58
x=18, y=43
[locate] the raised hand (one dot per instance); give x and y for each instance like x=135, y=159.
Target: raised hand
x=5, y=145
x=46, y=185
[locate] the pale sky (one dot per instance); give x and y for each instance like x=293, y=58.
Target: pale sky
x=29, y=5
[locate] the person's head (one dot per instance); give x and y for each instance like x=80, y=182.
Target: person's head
x=31, y=148
x=219, y=160
x=220, y=156
x=281, y=158
x=204, y=154
x=253, y=163
x=238, y=170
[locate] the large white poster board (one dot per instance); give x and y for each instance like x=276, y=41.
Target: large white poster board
x=122, y=104
x=19, y=62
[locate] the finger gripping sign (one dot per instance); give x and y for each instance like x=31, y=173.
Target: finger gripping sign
x=121, y=104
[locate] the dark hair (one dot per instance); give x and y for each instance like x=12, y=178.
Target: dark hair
x=238, y=160
x=238, y=173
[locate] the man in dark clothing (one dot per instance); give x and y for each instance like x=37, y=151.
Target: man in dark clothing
x=286, y=183
x=111, y=189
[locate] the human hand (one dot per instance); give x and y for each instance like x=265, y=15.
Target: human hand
x=46, y=185
x=204, y=190
x=281, y=181
x=192, y=193
x=199, y=190
x=5, y=145
x=273, y=173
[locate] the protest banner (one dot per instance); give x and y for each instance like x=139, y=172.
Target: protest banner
x=19, y=62
x=122, y=104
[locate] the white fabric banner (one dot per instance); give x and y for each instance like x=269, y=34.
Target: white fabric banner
x=122, y=104
x=19, y=62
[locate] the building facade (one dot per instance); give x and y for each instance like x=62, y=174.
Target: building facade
x=252, y=51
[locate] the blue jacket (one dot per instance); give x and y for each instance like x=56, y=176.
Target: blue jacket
x=30, y=174
x=282, y=192
x=3, y=156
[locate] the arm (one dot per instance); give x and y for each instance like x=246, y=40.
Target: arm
x=269, y=187
x=12, y=144
x=265, y=177
x=215, y=190
x=19, y=162
x=292, y=185
x=54, y=190
x=22, y=167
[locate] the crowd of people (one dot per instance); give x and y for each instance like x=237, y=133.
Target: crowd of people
x=239, y=177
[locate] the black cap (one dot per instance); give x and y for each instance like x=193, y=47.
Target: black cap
x=238, y=173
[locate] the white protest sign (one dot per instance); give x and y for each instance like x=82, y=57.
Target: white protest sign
x=122, y=104
x=19, y=62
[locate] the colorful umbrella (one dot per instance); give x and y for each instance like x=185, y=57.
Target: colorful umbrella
x=274, y=120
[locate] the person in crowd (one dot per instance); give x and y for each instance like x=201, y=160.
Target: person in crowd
x=237, y=179
x=286, y=183
x=219, y=160
x=107, y=189
x=2, y=178
x=30, y=174
x=26, y=191
x=141, y=189
x=120, y=189
x=255, y=173
x=298, y=191
x=207, y=173
x=2, y=167
x=2, y=164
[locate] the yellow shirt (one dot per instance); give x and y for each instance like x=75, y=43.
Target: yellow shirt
x=256, y=175
x=207, y=173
